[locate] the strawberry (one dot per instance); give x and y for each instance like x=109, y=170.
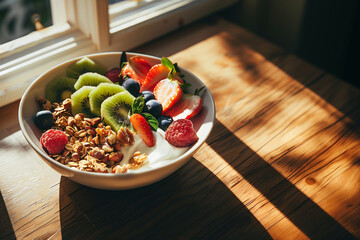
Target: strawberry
x=143, y=128
x=187, y=107
x=136, y=68
x=157, y=73
x=168, y=92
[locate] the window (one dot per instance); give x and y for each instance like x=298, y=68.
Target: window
x=80, y=27
x=16, y=16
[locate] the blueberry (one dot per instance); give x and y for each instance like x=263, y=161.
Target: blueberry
x=148, y=95
x=153, y=107
x=164, y=122
x=44, y=119
x=132, y=86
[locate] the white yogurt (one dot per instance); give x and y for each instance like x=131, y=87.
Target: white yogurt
x=159, y=155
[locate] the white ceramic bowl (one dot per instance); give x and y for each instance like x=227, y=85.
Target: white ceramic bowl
x=203, y=124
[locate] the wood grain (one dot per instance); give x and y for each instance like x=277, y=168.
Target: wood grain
x=282, y=161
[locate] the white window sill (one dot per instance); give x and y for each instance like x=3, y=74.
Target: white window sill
x=22, y=61
x=134, y=28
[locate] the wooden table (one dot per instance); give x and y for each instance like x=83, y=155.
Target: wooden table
x=282, y=160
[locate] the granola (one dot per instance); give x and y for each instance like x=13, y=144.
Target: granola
x=92, y=146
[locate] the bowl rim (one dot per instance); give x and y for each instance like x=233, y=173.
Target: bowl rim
x=39, y=151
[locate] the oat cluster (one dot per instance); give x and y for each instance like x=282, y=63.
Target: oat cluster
x=92, y=146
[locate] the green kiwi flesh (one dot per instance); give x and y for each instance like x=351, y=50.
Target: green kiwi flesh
x=80, y=101
x=115, y=110
x=84, y=65
x=100, y=93
x=90, y=79
x=59, y=89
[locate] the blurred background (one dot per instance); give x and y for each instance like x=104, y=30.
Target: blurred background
x=16, y=17
x=322, y=32
x=325, y=33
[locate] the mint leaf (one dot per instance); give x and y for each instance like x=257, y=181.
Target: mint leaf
x=138, y=105
x=154, y=124
x=174, y=69
x=167, y=63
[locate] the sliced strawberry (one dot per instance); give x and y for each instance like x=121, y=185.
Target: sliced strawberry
x=127, y=71
x=168, y=92
x=137, y=68
x=157, y=73
x=187, y=107
x=143, y=128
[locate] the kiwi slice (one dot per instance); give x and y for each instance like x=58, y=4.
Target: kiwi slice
x=80, y=101
x=84, y=65
x=100, y=93
x=60, y=89
x=115, y=110
x=90, y=79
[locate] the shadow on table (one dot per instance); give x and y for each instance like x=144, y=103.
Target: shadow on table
x=178, y=207
x=6, y=229
x=183, y=206
x=311, y=219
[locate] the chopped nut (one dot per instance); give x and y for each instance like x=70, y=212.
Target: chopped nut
x=116, y=156
x=67, y=103
x=96, y=140
x=120, y=169
x=111, y=139
x=125, y=136
x=46, y=105
x=137, y=160
x=79, y=147
x=107, y=148
x=130, y=136
x=91, y=132
x=117, y=146
x=75, y=157
x=97, y=153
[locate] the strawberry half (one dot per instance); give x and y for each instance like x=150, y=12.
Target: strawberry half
x=157, y=73
x=136, y=68
x=168, y=92
x=143, y=128
x=187, y=107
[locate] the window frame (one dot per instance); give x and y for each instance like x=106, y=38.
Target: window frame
x=81, y=27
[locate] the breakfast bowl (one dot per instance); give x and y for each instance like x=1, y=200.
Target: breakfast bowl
x=202, y=123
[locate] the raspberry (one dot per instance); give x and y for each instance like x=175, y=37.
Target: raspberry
x=53, y=141
x=181, y=133
x=113, y=75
